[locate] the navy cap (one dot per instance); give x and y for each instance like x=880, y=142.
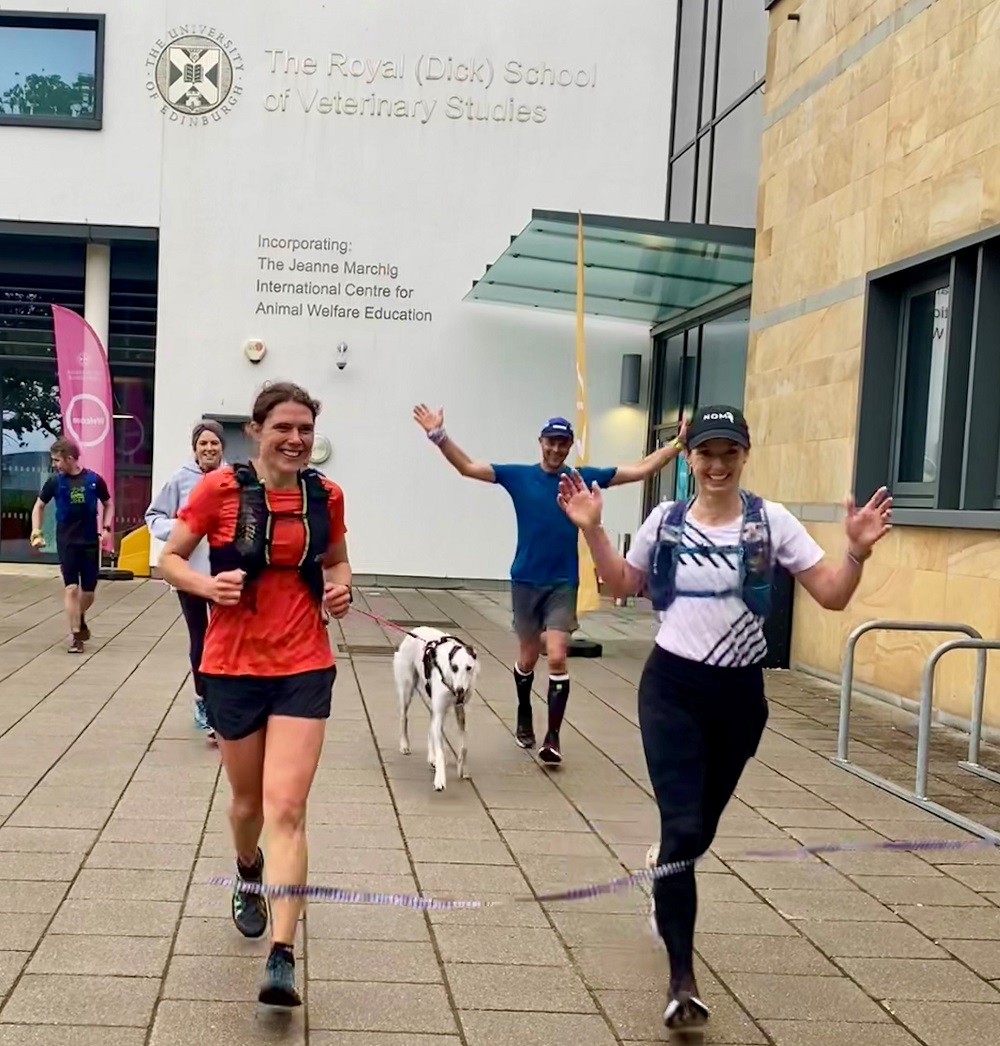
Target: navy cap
x=557, y=428
x=718, y=422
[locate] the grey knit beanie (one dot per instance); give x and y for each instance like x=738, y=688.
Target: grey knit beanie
x=207, y=425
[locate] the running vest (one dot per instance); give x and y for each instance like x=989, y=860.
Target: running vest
x=64, y=498
x=756, y=570
x=250, y=549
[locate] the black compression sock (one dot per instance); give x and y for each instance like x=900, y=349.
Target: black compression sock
x=523, y=681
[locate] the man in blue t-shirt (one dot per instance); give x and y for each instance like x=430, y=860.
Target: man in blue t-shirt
x=546, y=568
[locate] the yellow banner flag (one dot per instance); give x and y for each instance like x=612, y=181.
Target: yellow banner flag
x=587, y=598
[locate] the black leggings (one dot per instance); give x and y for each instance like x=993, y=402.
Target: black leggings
x=700, y=725
x=195, y=611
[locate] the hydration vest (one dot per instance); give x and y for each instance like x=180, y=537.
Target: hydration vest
x=64, y=494
x=250, y=548
x=755, y=567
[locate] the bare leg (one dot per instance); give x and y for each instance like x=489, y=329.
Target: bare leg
x=290, y=760
x=243, y=761
x=71, y=602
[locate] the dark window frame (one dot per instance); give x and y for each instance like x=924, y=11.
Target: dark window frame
x=62, y=20
x=966, y=491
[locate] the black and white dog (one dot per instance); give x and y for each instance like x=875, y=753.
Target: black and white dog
x=446, y=669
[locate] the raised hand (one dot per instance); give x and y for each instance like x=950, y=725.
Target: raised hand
x=581, y=505
x=428, y=419
x=867, y=525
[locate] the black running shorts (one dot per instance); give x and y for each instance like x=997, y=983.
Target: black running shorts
x=79, y=565
x=239, y=706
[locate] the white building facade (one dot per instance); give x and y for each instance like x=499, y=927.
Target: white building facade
x=325, y=183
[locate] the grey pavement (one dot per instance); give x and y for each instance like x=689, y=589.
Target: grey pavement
x=113, y=816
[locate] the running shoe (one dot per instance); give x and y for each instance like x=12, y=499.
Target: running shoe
x=250, y=911
x=525, y=733
x=549, y=752
x=277, y=990
x=685, y=1011
x=75, y=644
x=84, y=629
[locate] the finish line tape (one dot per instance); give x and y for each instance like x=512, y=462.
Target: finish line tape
x=580, y=893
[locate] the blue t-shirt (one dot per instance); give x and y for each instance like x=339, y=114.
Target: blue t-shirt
x=546, y=539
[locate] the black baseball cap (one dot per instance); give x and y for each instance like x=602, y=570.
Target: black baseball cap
x=718, y=422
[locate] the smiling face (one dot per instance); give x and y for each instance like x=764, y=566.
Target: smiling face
x=208, y=451
x=554, y=452
x=717, y=465
x=285, y=437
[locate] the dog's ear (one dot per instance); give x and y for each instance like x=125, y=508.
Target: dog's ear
x=472, y=651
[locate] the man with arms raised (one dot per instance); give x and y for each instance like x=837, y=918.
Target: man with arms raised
x=546, y=569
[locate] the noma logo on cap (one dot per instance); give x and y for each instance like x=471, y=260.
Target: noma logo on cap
x=718, y=421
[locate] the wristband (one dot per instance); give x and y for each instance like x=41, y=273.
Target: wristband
x=437, y=436
x=858, y=561
x=676, y=443
x=36, y=533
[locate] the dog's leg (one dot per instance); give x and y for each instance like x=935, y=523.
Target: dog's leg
x=404, y=693
x=437, y=737
x=460, y=719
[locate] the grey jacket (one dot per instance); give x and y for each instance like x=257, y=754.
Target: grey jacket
x=163, y=511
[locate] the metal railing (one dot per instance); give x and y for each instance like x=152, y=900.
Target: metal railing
x=918, y=796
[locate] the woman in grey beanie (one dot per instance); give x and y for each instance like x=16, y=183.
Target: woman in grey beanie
x=207, y=442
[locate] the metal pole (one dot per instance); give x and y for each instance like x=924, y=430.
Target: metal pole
x=846, y=682
x=978, y=698
x=924, y=729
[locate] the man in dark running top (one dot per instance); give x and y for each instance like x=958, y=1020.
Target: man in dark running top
x=81, y=495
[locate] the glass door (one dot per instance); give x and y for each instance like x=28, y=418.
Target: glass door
x=29, y=413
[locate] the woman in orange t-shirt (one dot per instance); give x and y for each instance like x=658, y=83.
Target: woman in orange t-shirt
x=279, y=563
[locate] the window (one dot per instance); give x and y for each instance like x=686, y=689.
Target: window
x=718, y=112
x=736, y=166
x=742, y=51
x=687, y=77
x=928, y=424
x=922, y=357
x=723, y=368
x=682, y=175
x=704, y=364
x=51, y=70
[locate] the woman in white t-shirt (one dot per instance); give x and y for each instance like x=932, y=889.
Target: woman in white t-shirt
x=702, y=708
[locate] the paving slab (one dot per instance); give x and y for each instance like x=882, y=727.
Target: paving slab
x=113, y=813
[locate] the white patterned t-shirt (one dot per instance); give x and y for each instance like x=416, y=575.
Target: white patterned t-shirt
x=719, y=630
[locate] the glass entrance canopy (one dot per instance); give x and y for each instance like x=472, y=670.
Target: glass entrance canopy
x=635, y=269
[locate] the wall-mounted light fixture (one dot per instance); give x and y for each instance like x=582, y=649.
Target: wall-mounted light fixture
x=342, y=355
x=321, y=450
x=630, y=395
x=254, y=350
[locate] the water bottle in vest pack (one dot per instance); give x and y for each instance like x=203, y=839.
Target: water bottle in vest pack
x=753, y=553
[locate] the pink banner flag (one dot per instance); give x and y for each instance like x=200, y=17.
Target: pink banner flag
x=85, y=395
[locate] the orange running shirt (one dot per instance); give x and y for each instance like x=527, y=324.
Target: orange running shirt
x=277, y=630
